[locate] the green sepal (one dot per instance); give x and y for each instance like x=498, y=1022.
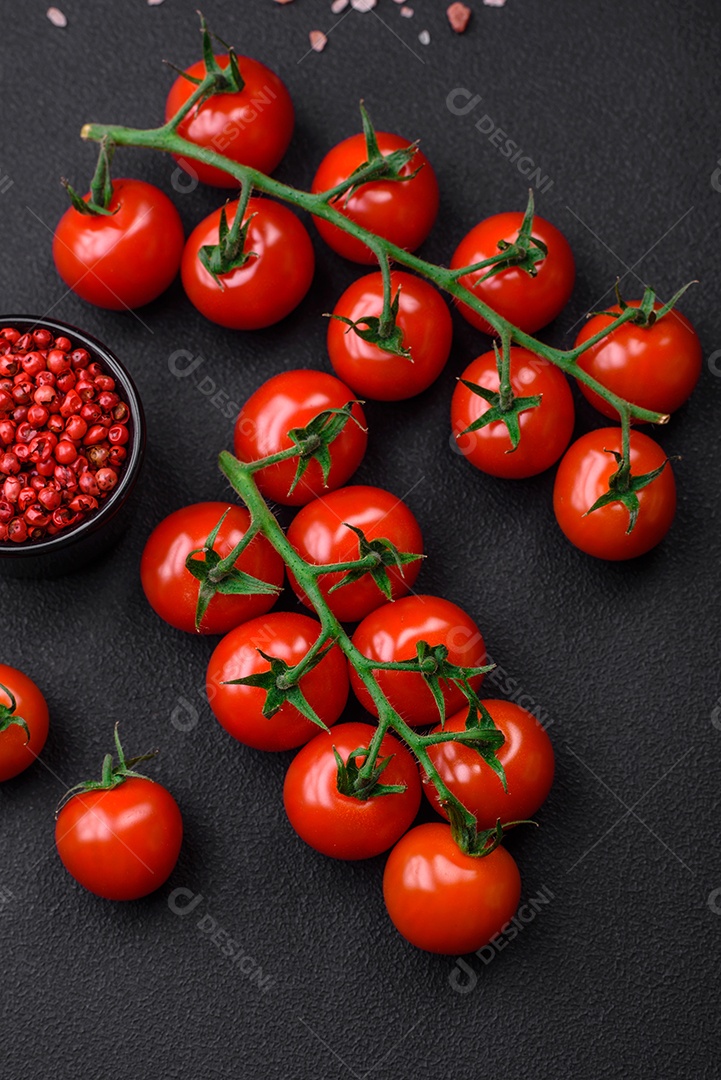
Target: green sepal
x=387, y=555
x=370, y=329
x=354, y=786
x=509, y=416
x=112, y=775
x=622, y=487
x=432, y=662
x=313, y=440
x=279, y=689
x=472, y=840
x=378, y=166
x=8, y=716
x=229, y=253
x=524, y=253
x=101, y=186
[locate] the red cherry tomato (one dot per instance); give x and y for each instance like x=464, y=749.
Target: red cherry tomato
x=272, y=282
x=288, y=637
x=340, y=825
x=390, y=633
x=444, y=901
x=120, y=843
x=425, y=320
x=171, y=589
x=123, y=259
x=583, y=477
x=17, y=751
x=291, y=400
x=546, y=429
x=526, y=756
x=319, y=534
x=252, y=127
x=655, y=367
x=401, y=211
x=528, y=302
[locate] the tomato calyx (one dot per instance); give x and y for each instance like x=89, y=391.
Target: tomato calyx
x=505, y=407
x=375, y=556
x=229, y=253
x=524, y=253
x=313, y=441
x=112, y=775
x=8, y=715
x=623, y=487
x=380, y=330
x=474, y=841
x=217, y=80
x=280, y=683
x=220, y=575
x=433, y=664
x=377, y=166
x=646, y=314
x=354, y=784
x=101, y=186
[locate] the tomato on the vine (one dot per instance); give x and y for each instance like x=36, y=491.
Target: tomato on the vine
x=583, y=477
x=402, y=211
x=291, y=400
x=526, y=756
x=443, y=900
x=527, y=302
x=320, y=535
x=171, y=589
x=545, y=429
x=286, y=636
x=252, y=127
x=340, y=825
x=390, y=633
x=271, y=282
x=125, y=258
x=655, y=367
x=427, y=328
x=20, y=700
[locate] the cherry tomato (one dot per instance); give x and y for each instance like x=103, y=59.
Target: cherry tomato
x=655, y=367
x=526, y=756
x=17, y=751
x=425, y=320
x=288, y=637
x=291, y=400
x=272, y=282
x=390, y=633
x=123, y=842
x=546, y=429
x=528, y=302
x=252, y=127
x=444, y=901
x=401, y=211
x=171, y=589
x=583, y=477
x=320, y=534
x=123, y=259
x=341, y=825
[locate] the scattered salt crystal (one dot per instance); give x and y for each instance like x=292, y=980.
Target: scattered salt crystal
x=56, y=17
x=399, y=1
x=407, y=12
x=154, y=3
x=277, y=1
x=494, y=3
x=318, y=40
x=339, y=5
x=424, y=37
x=363, y=5
x=458, y=16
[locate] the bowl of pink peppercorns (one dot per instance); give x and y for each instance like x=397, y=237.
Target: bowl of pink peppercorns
x=72, y=439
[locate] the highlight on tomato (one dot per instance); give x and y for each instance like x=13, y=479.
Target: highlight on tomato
x=24, y=722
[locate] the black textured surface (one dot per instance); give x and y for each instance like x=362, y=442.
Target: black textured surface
x=618, y=975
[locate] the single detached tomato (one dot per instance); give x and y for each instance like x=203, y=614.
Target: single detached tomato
x=528, y=302
x=425, y=321
x=546, y=429
x=320, y=534
x=122, y=842
x=526, y=756
x=655, y=367
x=252, y=127
x=273, y=280
x=291, y=400
x=288, y=637
x=402, y=211
x=444, y=901
x=171, y=589
x=390, y=633
x=20, y=700
x=123, y=259
x=340, y=825
x=583, y=477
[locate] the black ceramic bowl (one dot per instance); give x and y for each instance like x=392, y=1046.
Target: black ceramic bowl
x=74, y=548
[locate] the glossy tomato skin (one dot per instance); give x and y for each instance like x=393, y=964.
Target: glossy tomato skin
x=528, y=302
x=287, y=636
x=526, y=756
x=401, y=211
x=390, y=633
x=339, y=825
x=655, y=367
x=171, y=589
x=253, y=127
x=291, y=400
x=319, y=535
x=444, y=901
x=17, y=752
x=582, y=478
x=546, y=429
x=120, y=843
x=425, y=320
x=124, y=259
x=269, y=285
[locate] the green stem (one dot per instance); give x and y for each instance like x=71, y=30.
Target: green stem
x=505, y=392
x=386, y=321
